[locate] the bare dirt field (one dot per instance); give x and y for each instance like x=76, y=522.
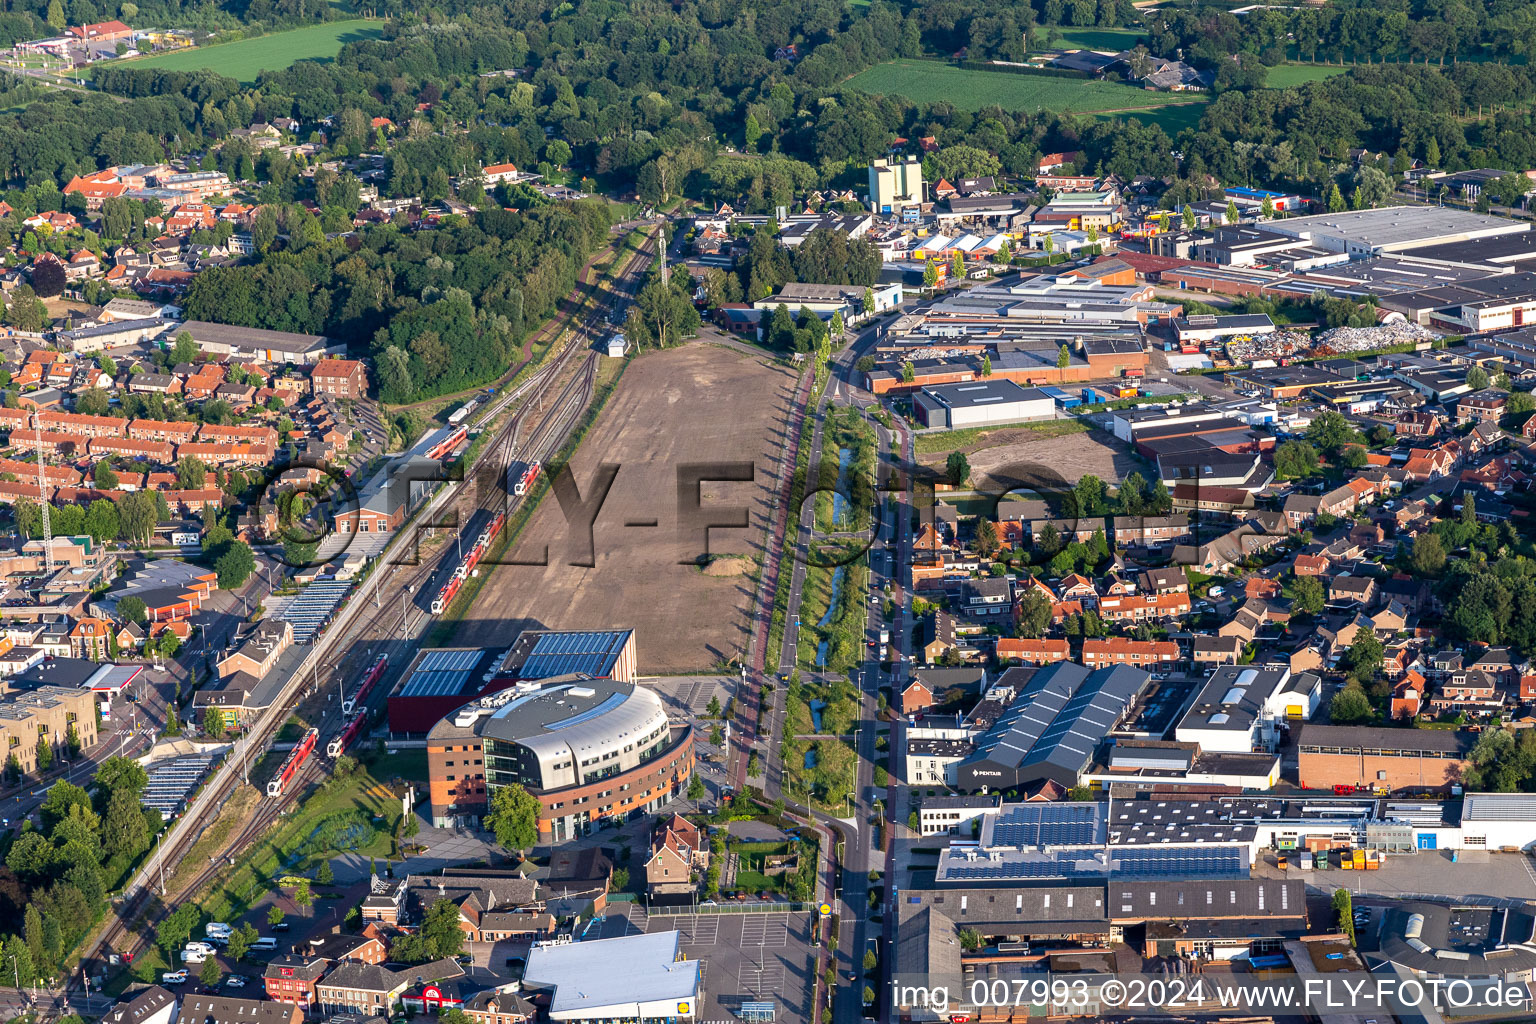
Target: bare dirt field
x=696, y=404
x=1073, y=456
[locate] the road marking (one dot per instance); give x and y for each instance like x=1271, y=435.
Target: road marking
x=1530, y=871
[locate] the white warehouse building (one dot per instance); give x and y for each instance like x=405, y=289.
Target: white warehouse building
x=1242, y=709
x=981, y=403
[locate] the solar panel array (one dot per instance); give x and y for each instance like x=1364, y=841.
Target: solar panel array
x=1037, y=825
x=311, y=611
x=1208, y=862
x=441, y=673
x=1501, y=807
x=172, y=782
x=1125, y=864
x=588, y=653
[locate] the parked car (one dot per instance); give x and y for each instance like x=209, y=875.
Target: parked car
x=236, y=981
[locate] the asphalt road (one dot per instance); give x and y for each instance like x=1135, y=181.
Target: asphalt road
x=860, y=854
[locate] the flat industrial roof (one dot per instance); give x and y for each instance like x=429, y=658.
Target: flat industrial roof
x=978, y=394
x=1440, y=741
x=1398, y=227
x=612, y=974
x=1206, y=321
x=1199, y=860
x=1232, y=698
x=1500, y=251
x=1403, y=272
x=252, y=337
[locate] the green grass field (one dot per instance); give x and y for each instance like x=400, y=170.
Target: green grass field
x=931, y=82
x=1287, y=76
x=1172, y=119
x=1092, y=38
x=247, y=58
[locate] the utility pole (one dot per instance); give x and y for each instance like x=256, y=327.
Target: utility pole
x=661, y=250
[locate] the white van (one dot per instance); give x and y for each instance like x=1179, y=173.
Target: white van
x=202, y=947
x=193, y=956
x=217, y=928
x=173, y=978
x=265, y=942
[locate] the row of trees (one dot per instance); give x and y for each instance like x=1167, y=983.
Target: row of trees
x=57, y=876
x=643, y=101
x=1352, y=31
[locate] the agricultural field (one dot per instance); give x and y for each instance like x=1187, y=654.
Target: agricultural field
x=1288, y=76
x=247, y=58
x=924, y=81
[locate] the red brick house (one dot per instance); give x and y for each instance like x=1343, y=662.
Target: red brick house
x=1033, y=652
x=292, y=978
x=344, y=378
x=1408, y=695
x=1148, y=655
x=916, y=697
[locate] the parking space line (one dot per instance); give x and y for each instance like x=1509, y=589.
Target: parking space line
x=768, y=980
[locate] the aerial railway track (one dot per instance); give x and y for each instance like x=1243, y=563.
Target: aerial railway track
x=546, y=423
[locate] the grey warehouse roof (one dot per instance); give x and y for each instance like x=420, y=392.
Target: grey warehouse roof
x=981, y=393
x=1059, y=717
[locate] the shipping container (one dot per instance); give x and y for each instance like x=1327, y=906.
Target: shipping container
x=1359, y=860
x=1306, y=861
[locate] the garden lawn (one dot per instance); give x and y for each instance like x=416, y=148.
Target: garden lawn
x=1288, y=76
x=1171, y=119
x=247, y=58
x=297, y=844
x=1114, y=39
x=926, y=81
x=953, y=440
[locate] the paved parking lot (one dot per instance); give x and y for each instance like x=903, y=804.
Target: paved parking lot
x=745, y=957
x=1488, y=875
x=688, y=696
